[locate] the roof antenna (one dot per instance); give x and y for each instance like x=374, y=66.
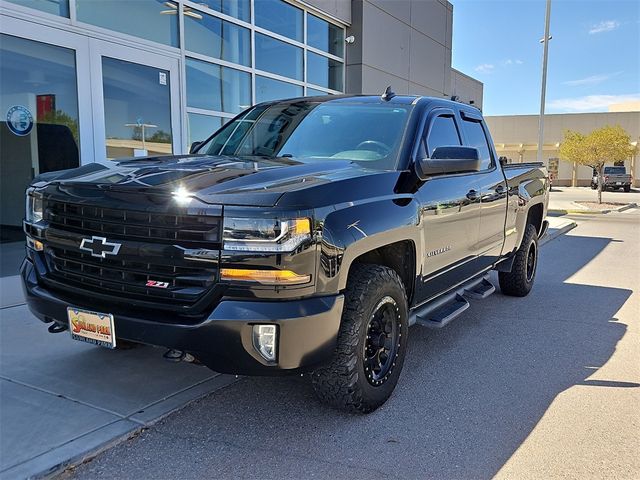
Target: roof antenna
x=388, y=94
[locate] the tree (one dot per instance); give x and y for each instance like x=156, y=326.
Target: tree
x=603, y=145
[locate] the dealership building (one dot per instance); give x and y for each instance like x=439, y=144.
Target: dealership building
x=86, y=81
x=516, y=137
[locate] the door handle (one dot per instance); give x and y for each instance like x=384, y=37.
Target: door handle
x=472, y=195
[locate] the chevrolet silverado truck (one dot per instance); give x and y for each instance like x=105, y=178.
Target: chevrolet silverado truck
x=613, y=178
x=304, y=236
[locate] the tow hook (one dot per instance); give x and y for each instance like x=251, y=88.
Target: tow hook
x=179, y=356
x=57, y=328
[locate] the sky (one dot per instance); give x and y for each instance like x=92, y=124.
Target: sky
x=594, y=56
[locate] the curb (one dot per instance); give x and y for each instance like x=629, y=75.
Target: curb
x=93, y=443
x=591, y=212
x=552, y=235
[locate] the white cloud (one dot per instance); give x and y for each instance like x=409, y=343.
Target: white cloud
x=510, y=61
x=485, y=68
x=604, y=26
x=590, y=103
x=592, y=80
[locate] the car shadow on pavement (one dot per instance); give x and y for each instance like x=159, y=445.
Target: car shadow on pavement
x=468, y=397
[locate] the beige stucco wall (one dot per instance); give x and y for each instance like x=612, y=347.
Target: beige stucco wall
x=516, y=137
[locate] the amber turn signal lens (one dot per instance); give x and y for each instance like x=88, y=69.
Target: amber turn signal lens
x=301, y=226
x=264, y=277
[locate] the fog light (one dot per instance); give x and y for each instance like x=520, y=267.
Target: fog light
x=265, y=339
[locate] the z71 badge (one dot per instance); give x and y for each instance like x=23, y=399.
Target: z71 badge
x=156, y=284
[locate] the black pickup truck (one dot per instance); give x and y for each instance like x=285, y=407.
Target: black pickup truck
x=305, y=235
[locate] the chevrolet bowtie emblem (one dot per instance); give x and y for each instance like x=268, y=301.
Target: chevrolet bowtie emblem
x=99, y=247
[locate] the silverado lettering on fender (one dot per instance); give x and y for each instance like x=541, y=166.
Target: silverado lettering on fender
x=305, y=235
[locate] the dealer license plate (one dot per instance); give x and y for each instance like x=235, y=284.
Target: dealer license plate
x=618, y=183
x=92, y=327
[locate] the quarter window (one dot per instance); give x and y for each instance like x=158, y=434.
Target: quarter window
x=443, y=133
x=475, y=137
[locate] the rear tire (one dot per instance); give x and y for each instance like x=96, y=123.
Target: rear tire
x=627, y=188
x=519, y=281
x=372, y=342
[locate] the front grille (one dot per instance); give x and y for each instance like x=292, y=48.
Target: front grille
x=133, y=225
x=152, y=251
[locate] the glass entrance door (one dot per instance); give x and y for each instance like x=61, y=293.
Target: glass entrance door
x=136, y=107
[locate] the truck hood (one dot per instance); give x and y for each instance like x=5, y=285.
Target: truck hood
x=244, y=181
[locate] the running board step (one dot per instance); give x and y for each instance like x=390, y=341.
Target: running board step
x=443, y=315
x=481, y=290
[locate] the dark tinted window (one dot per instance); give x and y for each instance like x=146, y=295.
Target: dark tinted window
x=443, y=133
x=475, y=137
x=615, y=170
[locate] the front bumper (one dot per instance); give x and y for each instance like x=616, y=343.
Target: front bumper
x=307, y=329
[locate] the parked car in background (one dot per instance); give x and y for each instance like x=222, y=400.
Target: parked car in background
x=613, y=178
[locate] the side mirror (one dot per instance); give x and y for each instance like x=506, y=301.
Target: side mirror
x=503, y=161
x=194, y=146
x=446, y=160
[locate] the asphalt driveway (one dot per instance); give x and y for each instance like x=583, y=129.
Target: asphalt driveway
x=541, y=387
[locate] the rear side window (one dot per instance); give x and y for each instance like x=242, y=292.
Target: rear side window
x=443, y=133
x=475, y=137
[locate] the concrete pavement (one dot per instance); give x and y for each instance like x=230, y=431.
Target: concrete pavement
x=546, y=386
x=63, y=401
x=565, y=198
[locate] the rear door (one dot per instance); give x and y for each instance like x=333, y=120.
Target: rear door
x=450, y=213
x=493, y=190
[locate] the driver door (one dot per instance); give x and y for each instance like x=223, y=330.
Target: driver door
x=450, y=214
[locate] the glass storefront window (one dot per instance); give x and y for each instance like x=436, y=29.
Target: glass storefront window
x=213, y=87
x=268, y=89
x=39, y=131
x=324, y=71
x=155, y=20
x=55, y=7
x=278, y=57
x=239, y=9
x=216, y=38
x=137, y=109
x=325, y=36
x=312, y=92
x=201, y=127
x=279, y=17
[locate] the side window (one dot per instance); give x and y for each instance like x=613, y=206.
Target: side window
x=443, y=133
x=475, y=137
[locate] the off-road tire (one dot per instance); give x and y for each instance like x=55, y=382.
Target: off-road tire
x=627, y=188
x=519, y=281
x=342, y=382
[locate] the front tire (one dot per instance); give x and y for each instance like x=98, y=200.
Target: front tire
x=627, y=188
x=519, y=281
x=372, y=342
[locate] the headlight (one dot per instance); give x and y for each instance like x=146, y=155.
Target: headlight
x=265, y=235
x=33, y=212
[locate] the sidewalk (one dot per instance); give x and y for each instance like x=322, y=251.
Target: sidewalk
x=63, y=401
x=563, y=200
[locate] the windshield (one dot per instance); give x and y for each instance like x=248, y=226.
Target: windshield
x=370, y=134
x=614, y=170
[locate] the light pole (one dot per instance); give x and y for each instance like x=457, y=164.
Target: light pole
x=545, y=42
x=142, y=126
